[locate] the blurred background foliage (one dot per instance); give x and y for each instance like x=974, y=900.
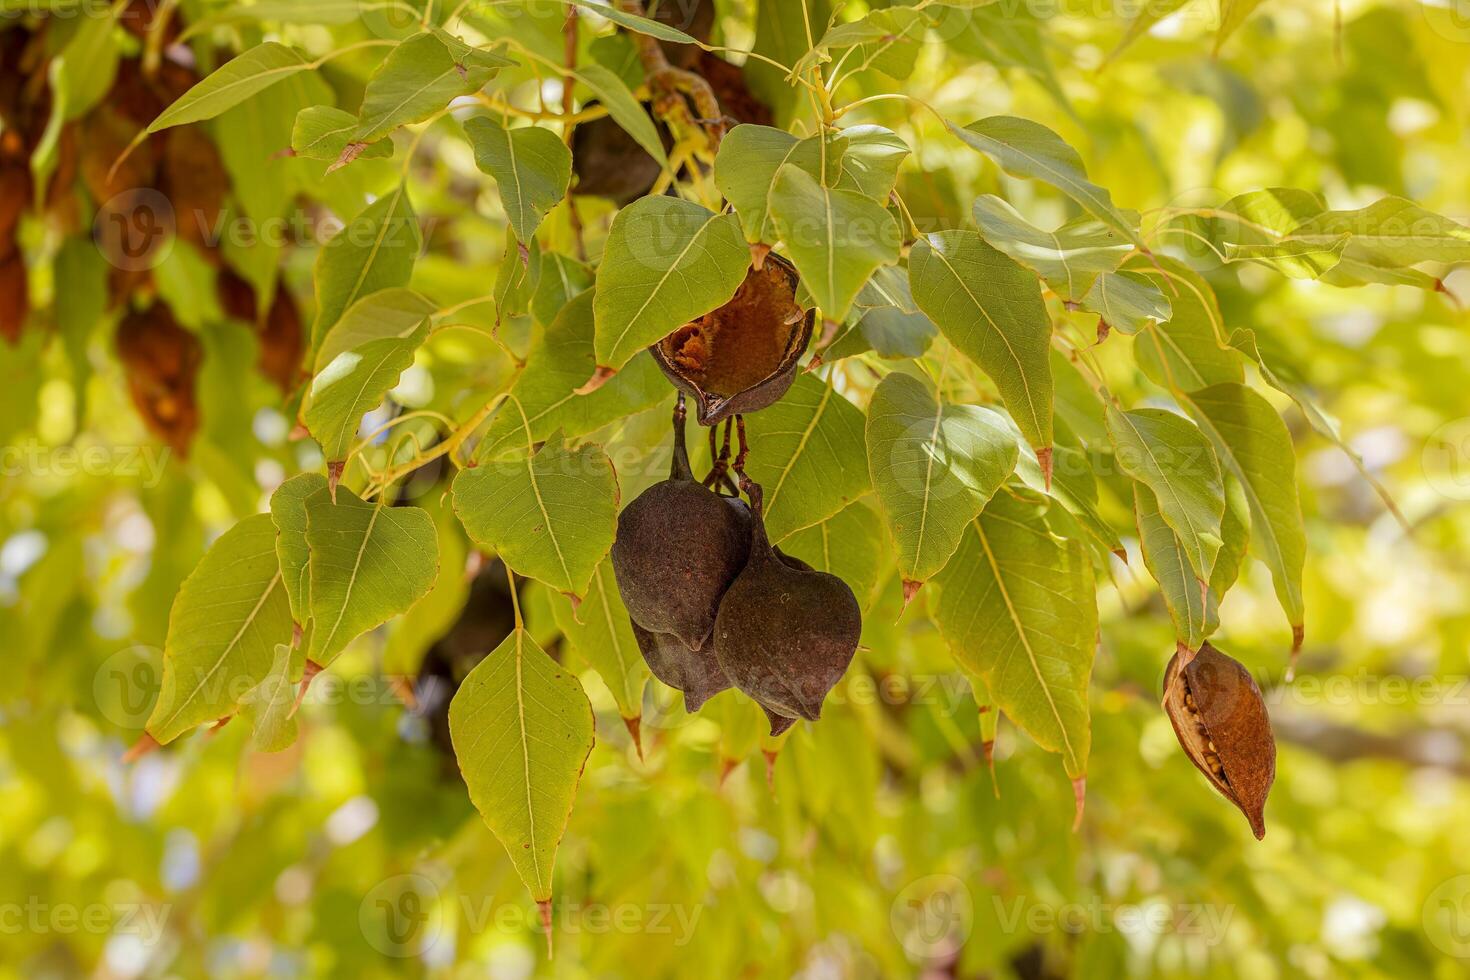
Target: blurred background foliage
x=879, y=843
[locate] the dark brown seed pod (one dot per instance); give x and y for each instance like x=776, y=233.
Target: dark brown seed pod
x=162, y=360
x=15, y=304
x=743, y=356
x=785, y=633
x=610, y=163
x=695, y=672
x=1220, y=719
x=678, y=548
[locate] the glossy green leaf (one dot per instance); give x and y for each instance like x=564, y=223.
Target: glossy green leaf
x=836, y=238
x=1188, y=351
x=991, y=310
x=269, y=706
x=1127, y=301
x=522, y=730
x=1165, y=558
x=934, y=466
x=600, y=631
x=809, y=454
x=1254, y=445
x=667, y=261
x=560, y=361
x=374, y=251
x=531, y=165
x=420, y=77
x=549, y=516
x=393, y=313
x=233, y=82
x=369, y=563
x=1024, y=148
x=1069, y=258
x=625, y=110
x=223, y=629
x=1170, y=455
x=322, y=132
x=746, y=167
x=1017, y=606
x=288, y=512
x=353, y=384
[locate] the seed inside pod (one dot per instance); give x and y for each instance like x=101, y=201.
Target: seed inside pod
x=741, y=357
x=1221, y=722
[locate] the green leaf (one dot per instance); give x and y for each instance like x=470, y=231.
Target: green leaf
x=1170, y=455
x=1024, y=148
x=746, y=167
x=223, y=629
x=1166, y=560
x=1244, y=340
x=521, y=726
x=808, y=453
x=412, y=634
x=369, y=562
x=934, y=467
x=236, y=80
x=322, y=132
x=991, y=310
x=352, y=385
x=288, y=513
x=550, y=516
x=419, y=77
x=836, y=238
x=1127, y=301
x=600, y=631
x=1255, y=447
x=667, y=261
x=1069, y=259
x=1233, y=13
x=1188, y=351
x=633, y=22
x=393, y=313
x=532, y=166
x=1017, y=606
x=559, y=280
x=889, y=39
x=268, y=706
x=871, y=161
x=560, y=361
x=375, y=250
x=624, y=109
x=850, y=544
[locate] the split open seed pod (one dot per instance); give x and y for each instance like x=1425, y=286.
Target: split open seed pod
x=743, y=356
x=1220, y=719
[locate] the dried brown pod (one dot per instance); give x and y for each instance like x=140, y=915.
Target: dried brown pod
x=162, y=362
x=743, y=356
x=236, y=296
x=785, y=633
x=1220, y=719
x=678, y=547
x=15, y=197
x=14, y=293
x=694, y=17
x=610, y=163
x=694, y=672
x=104, y=136
x=282, y=341
x=194, y=179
